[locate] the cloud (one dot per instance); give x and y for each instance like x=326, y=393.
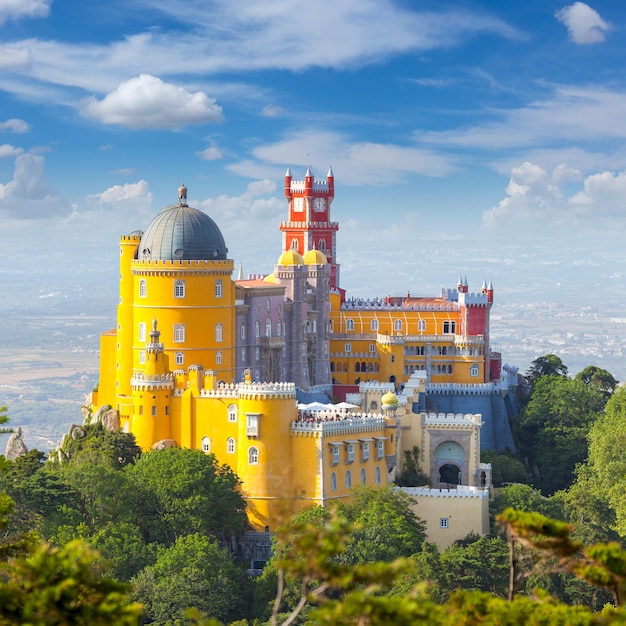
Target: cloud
x=130, y=197
x=14, y=58
x=272, y=111
x=14, y=125
x=28, y=196
x=223, y=36
x=148, y=102
x=545, y=202
x=210, y=154
x=360, y=163
x=7, y=150
x=583, y=23
x=16, y=9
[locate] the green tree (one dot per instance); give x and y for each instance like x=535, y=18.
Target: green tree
x=607, y=458
x=548, y=365
x=554, y=426
x=598, y=378
x=505, y=468
x=193, y=573
x=186, y=491
x=385, y=526
x=526, y=499
x=411, y=474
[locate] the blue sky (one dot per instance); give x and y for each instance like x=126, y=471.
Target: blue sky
x=468, y=136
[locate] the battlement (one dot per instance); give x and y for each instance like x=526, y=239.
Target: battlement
x=268, y=391
x=453, y=419
x=300, y=185
x=310, y=225
x=143, y=382
x=177, y=263
x=464, y=298
x=380, y=304
x=477, y=389
x=462, y=491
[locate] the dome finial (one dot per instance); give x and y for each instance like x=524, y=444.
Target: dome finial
x=182, y=195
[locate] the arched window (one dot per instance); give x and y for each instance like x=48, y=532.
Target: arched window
x=397, y=325
x=142, y=357
x=257, y=329
x=333, y=482
x=206, y=444
x=242, y=331
x=374, y=325
x=179, y=333
x=377, y=475
x=278, y=329
x=332, y=366
x=218, y=288
x=232, y=412
x=180, y=358
x=421, y=326
x=321, y=246
x=307, y=326
x=363, y=476
x=219, y=332
x=349, y=324
x=268, y=327
x=253, y=456
x=142, y=289
x=357, y=367
x=348, y=479
x=474, y=370
x=179, y=289
x=230, y=445
x=142, y=332
x=218, y=358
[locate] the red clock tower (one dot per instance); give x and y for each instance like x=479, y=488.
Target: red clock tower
x=309, y=226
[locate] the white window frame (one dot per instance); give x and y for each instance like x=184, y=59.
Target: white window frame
x=179, y=358
x=443, y=522
x=218, y=288
x=474, y=370
x=268, y=327
x=232, y=412
x=449, y=327
x=348, y=479
x=142, y=357
x=421, y=326
x=397, y=325
x=231, y=445
x=206, y=445
x=366, y=451
x=257, y=329
x=377, y=478
x=380, y=449
x=218, y=358
x=179, y=289
x=350, y=453
x=142, y=332
x=253, y=456
x=347, y=348
x=333, y=481
x=179, y=333
x=349, y=325
x=219, y=333
x=252, y=424
x=242, y=331
x=374, y=325
x=336, y=451
x=143, y=288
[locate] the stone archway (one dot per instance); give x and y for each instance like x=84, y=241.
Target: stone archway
x=450, y=460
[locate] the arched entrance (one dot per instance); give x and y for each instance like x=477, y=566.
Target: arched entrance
x=449, y=463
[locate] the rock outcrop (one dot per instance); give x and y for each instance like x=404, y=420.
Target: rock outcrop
x=15, y=446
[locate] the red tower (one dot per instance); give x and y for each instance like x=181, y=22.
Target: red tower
x=309, y=226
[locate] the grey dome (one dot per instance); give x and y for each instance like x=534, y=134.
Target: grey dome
x=180, y=232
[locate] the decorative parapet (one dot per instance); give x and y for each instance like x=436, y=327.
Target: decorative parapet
x=144, y=382
x=269, y=391
x=374, y=385
x=478, y=389
x=453, y=419
x=353, y=422
x=380, y=304
x=308, y=225
x=462, y=491
x=222, y=391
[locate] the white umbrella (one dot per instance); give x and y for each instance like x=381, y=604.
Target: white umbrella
x=345, y=405
x=317, y=406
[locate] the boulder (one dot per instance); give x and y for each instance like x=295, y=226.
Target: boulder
x=15, y=446
x=164, y=444
x=110, y=419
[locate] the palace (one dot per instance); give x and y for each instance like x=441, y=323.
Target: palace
x=201, y=360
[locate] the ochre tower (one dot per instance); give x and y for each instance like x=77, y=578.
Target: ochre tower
x=309, y=226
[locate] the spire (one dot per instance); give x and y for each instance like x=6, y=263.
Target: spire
x=330, y=172
x=182, y=195
x=240, y=274
x=288, y=172
x=309, y=171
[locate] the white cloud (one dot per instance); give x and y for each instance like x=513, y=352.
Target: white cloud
x=148, y=102
x=122, y=198
x=360, y=163
x=7, y=150
x=234, y=37
x=28, y=196
x=583, y=23
x=14, y=58
x=16, y=9
x=210, y=154
x=14, y=125
x=537, y=201
x=272, y=111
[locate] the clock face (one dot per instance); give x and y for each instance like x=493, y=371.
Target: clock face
x=319, y=204
x=298, y=204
